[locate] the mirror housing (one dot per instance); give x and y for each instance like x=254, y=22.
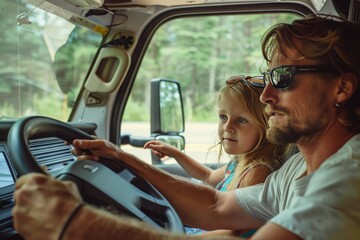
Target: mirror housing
x=167, y=117
x=167, y=114
x=167, y=111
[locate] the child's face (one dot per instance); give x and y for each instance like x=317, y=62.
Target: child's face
x=237, y=130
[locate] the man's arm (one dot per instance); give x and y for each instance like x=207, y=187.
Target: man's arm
x=96, y=224
x=43, y=205
x=101, y=225
x=271, y=231
x=197, y=205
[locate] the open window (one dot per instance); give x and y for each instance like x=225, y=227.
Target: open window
x=200, y=57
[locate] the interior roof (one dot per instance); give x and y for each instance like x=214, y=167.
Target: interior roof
x=121, y=4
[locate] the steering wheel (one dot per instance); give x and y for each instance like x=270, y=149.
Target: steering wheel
x=120, y=192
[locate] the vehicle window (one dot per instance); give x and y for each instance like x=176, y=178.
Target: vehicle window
x=44, y=61
x=201, y=57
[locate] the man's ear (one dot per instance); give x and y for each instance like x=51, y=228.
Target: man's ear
x=347, y=85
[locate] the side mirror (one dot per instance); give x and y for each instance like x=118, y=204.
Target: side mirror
x=167, y=111
x=167, y=117
x=167, y=114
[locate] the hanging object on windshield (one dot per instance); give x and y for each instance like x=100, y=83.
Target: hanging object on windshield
x=125, y=41
x=96, y=12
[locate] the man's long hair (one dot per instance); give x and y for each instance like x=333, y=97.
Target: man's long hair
x=328, y=40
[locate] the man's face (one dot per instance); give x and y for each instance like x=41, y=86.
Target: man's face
x=297, y=114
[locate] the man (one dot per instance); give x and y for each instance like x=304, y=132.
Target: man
x=312, y=99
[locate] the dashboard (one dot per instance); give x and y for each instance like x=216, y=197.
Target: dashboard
x=51, y=153
x=7, y=178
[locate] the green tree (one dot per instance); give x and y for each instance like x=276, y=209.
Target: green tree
x=201, y=52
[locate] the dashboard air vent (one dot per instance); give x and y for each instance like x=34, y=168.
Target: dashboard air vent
x=51, y=153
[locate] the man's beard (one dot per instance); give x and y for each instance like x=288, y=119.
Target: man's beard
x=283, y=135
x=291, y=132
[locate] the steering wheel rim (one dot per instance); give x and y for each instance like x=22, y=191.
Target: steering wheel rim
x=37, y=127
x=142, y=204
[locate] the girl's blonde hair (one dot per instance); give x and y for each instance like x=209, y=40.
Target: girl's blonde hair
x=269, y=154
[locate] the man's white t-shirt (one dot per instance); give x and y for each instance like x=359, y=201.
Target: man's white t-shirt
x=322, y=205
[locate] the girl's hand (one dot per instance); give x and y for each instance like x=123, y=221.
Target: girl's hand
x=161, y=149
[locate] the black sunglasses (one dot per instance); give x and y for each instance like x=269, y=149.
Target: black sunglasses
x=282, y=77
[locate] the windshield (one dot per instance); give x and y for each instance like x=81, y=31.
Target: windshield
x=44, y=61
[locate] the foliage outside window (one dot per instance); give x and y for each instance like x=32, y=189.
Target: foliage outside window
x=30, y=82
x=200, y=53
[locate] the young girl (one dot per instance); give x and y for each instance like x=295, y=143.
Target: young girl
x=242, y=134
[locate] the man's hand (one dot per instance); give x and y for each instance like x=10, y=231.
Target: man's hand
x=94, y=149
x=42, y=205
